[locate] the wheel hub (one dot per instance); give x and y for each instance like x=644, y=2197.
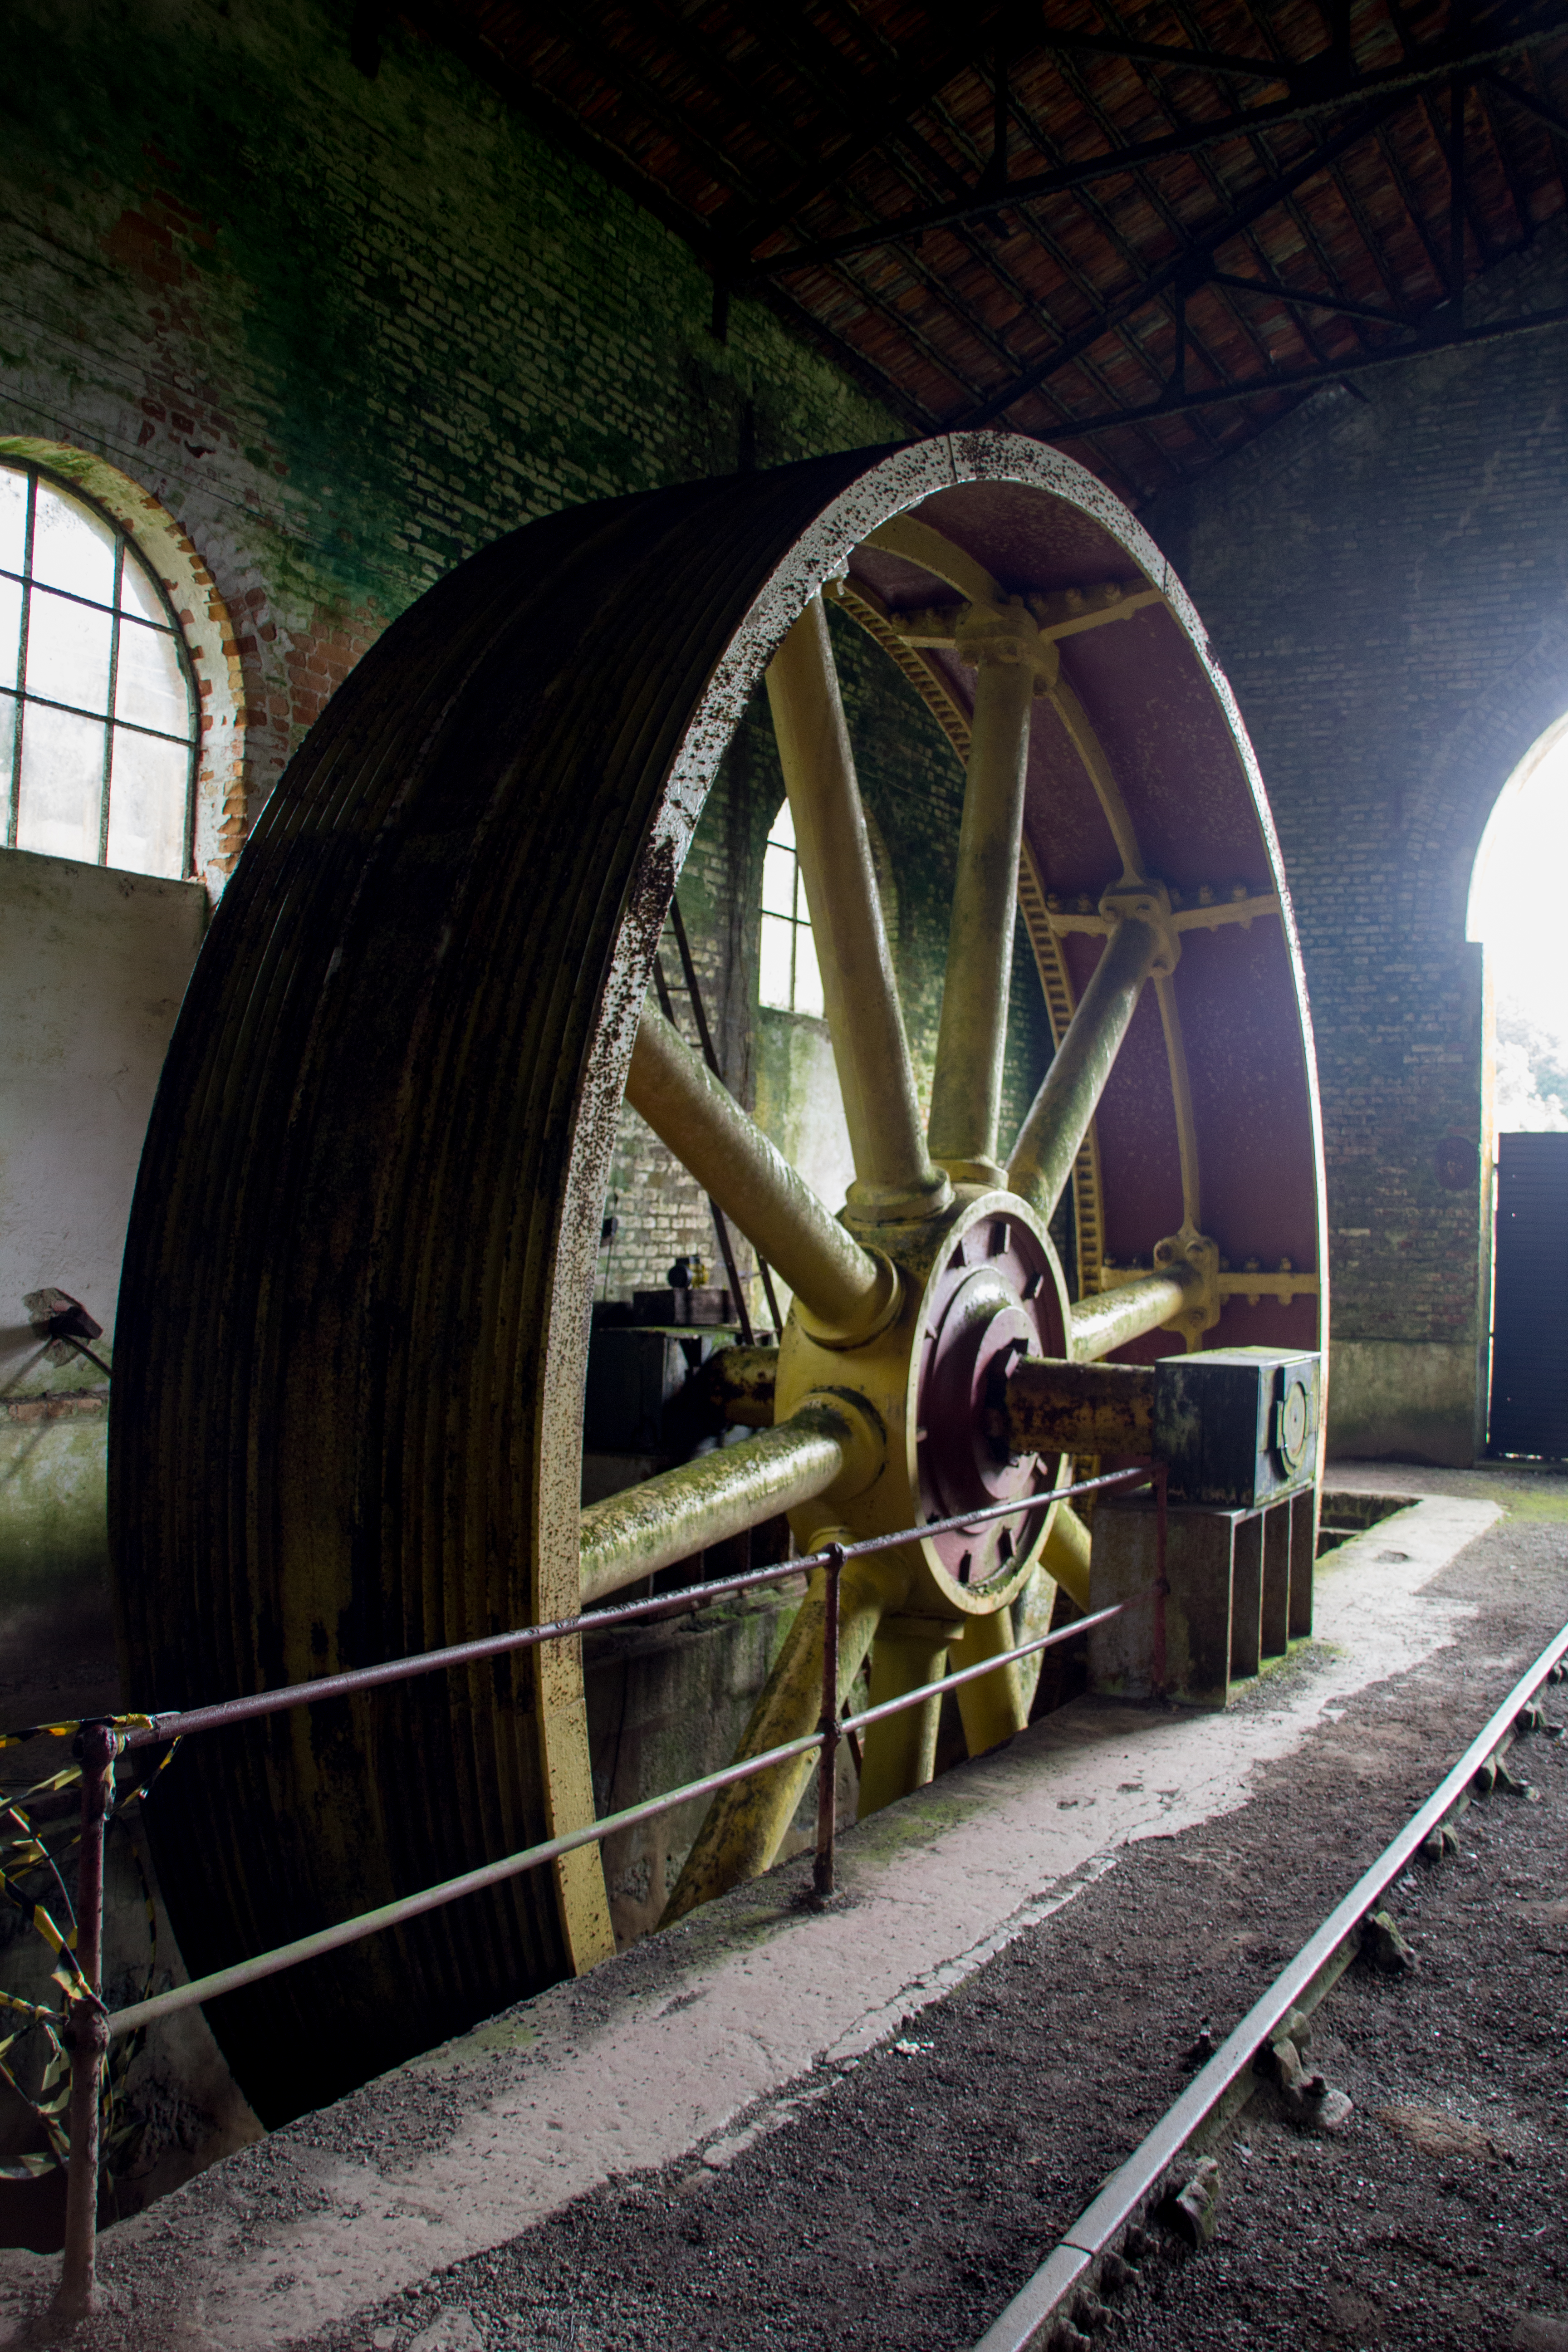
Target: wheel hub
x=978, y=1287
x=993, y=1300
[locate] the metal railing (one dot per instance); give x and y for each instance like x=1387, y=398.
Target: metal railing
x=90, y=2027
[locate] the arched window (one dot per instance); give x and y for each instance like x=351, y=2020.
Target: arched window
x=790, y=979
x=97, y=717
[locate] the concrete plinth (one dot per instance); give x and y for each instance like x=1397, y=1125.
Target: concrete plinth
x=1239, y=1591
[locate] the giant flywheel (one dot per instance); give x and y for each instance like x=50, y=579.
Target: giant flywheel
x=349, y=1396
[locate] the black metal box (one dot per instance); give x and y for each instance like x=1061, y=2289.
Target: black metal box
x=642, y=1396
x=1237, y=1426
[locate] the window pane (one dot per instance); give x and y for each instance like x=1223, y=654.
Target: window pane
x=12, y=519
x=147, y=804
x=62, y=783
x=72, y=549
x=782, y=829
x=150, y=685
x=137, y=593
x=778, y=881
x=10, y=629
x=807, y=977
x=67, y=651
x=772, y=986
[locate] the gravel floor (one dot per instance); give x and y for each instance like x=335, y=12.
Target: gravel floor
x=904, y=2199
x=1436, y=2217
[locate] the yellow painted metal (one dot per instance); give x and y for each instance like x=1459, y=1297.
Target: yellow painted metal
x=971, y=1040
x=908, y=1614
x=739, y=1383
x=1062, y=612
x=920, y=542
x=1108, y=1321
x=1086, y=743
x=843, y=1290
x=883, y=1374
x=1064, y=1554
x=745, y=1824
x=680, y=1512
x=993, y=1708
x=1063, y=1408
x=1032, y=1613
x=1058, y=1118
x=894, y=1176
x=1181, y=1101
x=1210, y=913
x=1055, y=984
x=900, y=1754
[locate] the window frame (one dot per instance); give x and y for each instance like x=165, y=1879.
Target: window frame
x=124, y=539
x=798, y=920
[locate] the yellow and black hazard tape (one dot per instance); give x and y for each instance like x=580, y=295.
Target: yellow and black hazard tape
x=70, y=1730
x=22, y=1853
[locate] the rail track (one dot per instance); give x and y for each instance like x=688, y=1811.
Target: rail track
x=1169, y=2184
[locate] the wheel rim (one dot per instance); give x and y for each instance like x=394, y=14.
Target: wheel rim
x=348, y=1423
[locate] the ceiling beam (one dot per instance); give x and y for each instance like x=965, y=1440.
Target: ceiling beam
x=1304, y=379
x=1296, y=295
x=878, y=116
x=1556, y=123
x=1190, y=264
x=1158, y=53
x=1439, y=63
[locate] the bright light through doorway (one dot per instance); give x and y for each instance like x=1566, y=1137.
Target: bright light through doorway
x=1515, y=899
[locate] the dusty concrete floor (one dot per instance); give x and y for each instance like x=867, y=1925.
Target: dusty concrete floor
x=899, y=2191
x=906, y=2196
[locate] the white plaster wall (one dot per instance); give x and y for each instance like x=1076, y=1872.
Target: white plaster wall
x=93, y=964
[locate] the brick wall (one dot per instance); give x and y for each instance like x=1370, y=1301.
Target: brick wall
x=1385, y=578
x=349, y=331
x=346, y=331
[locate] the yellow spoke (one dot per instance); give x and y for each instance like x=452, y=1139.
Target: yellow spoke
x=971, y=1041
x=744, y=1826
x=1139, y=943
x=846, y=1289
x=682, y=1511
x=893, y=1174
x=1117, y=1317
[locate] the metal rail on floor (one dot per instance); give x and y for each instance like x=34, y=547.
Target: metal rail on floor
x=90, y=2027
x=1025, y=2323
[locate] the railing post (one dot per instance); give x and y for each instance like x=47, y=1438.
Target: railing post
x=87, y=2031
x=1162, y=1581
x=827, y=1762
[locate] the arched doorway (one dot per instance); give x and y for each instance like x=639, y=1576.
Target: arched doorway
x=1515, y=914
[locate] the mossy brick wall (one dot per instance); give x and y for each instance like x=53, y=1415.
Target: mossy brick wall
x=1385, y=579
x=349, y=331
x=344, y=331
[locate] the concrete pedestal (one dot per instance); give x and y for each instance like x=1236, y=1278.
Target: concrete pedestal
x=1239, y=1591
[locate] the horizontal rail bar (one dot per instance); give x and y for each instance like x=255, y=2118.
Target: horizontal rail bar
x=1019, y=2326
x=492, y=1874
x=180, y=1723
x=432, y=1898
